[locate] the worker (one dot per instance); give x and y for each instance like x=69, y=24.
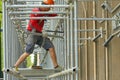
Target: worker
x=37, y=26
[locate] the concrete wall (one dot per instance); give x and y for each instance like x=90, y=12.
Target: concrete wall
x=96, y=61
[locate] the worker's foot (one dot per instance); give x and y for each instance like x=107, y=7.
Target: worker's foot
x=15, y=69
x=58, y=68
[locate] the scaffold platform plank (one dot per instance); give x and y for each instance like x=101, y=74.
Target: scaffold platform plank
x=28, y=72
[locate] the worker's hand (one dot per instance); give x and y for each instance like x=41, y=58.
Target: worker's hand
x=44, y=33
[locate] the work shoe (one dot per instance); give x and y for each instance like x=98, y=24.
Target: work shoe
x=58, y=68
x=15, y=69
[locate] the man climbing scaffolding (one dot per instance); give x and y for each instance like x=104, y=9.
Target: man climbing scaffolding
x=37, y=27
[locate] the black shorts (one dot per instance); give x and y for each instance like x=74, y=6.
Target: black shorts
x=39, y=40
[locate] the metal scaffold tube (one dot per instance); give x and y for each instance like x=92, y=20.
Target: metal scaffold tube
x=29, y=0
x=96, y=37
x=32, y=6
x=4, y=39
x=71, y=41
x=24, y=18
x=108, y=19
x=84, y=30
x=72, y=70
x=21, y=12
x=76, y=36
x=110, y=38
x=44, y=34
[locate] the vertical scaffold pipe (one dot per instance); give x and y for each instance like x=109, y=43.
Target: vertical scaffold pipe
x=68, y=41
x=68, y=44
x=4, y=38
x=71, y=39
x=76, y=36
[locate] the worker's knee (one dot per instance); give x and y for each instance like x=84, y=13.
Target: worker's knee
x=51, y=49
x=26, y=54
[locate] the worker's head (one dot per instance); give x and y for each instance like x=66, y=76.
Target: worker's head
x=47, y=2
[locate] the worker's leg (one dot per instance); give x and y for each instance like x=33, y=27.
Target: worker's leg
x=54, y=59
x=48, y=45
x=21, y=59
x=53, y=56
x=30, y=42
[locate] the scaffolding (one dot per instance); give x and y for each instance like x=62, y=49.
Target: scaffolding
x=70, y=40
x=16, y=15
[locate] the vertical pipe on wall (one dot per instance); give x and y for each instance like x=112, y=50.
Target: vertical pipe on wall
x=86, y=48
x=106, y=53
x=86, y=56
x=94, y=44
x=105, y=14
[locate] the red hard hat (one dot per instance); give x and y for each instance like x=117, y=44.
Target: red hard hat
x=49, y=2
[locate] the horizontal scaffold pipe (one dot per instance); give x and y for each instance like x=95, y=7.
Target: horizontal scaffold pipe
x=97, y=19
x=32, y=6
x=54, y=31
x=86, y=0
x=29, y=0
x=24, y=18
x=74, y=69
x=108, y=19
x=30, y=12
x=41, y=34
x=89, y=38
x=85, y=30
